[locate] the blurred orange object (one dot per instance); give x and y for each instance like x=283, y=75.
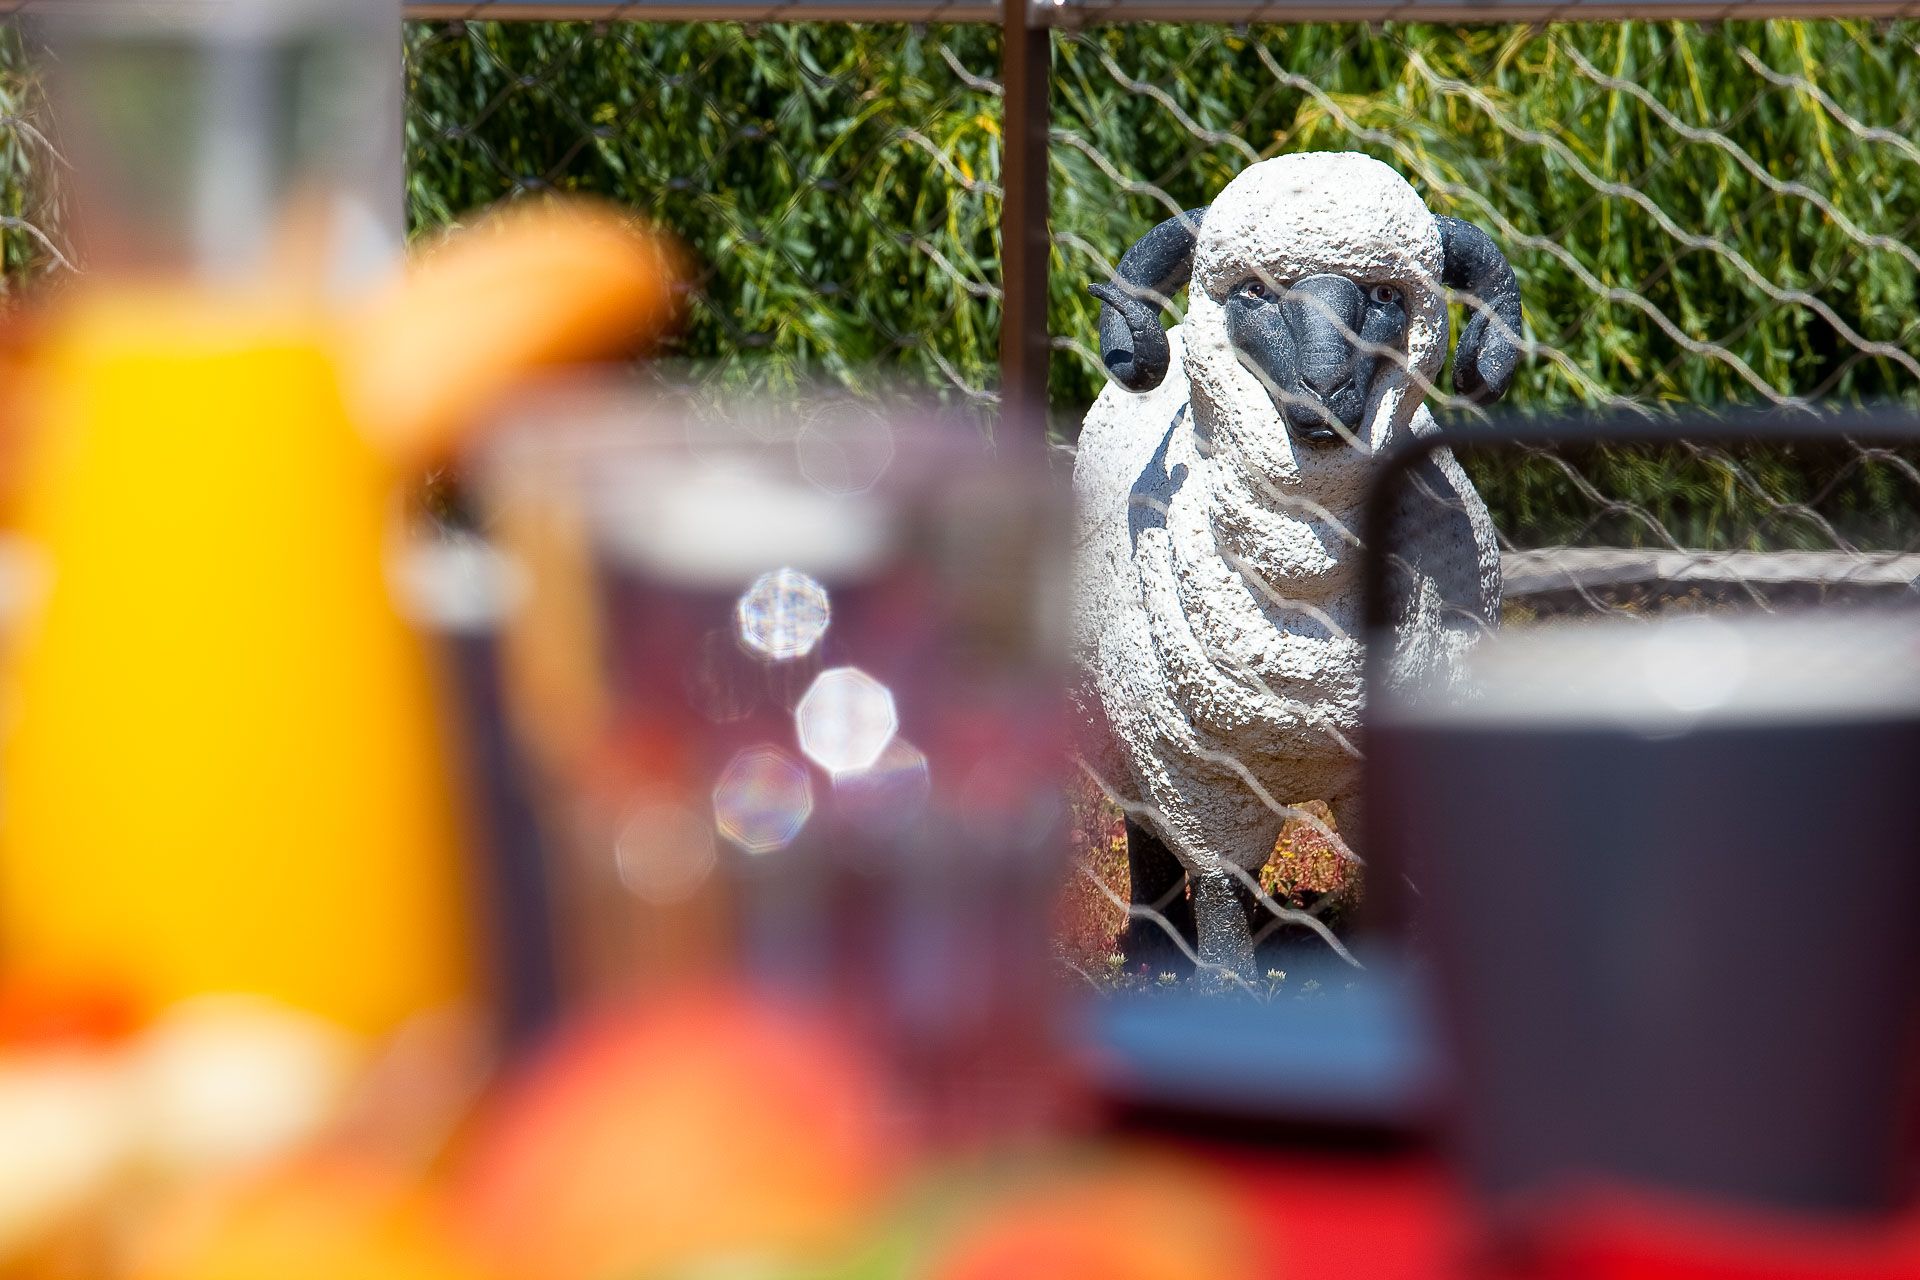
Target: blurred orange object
x=225, y=769
x=700, y=1127
x=525, y=288
x=1134, y=1217
x=319, y=1221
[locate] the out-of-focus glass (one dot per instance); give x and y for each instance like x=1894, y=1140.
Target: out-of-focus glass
x=1653, y=829
x=205, y=135
x=1667, y=871
x=788, y=681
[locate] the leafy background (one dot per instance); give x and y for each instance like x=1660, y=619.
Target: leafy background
x=1700, y=214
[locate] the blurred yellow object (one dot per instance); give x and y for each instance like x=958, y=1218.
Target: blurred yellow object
x=224, y=766
x=310, y=1222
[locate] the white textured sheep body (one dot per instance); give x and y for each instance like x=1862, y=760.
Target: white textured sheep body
x=1218, y=604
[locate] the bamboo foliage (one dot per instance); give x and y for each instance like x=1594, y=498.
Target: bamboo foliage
x=1700, y=214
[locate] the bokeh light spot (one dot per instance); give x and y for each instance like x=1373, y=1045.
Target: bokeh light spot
x=762, y=800
x=890, y=794
x=664, y=853
x=845, y=720
x=783, y=614
x=847, y=455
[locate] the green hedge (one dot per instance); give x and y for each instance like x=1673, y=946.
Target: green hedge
x=837, y=183
x=797, y=156
x=1686, y=230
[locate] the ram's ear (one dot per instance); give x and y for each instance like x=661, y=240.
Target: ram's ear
x=1133, y=346
x=1489, y=348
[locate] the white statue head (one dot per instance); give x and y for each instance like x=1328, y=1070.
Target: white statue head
x=1317, y=313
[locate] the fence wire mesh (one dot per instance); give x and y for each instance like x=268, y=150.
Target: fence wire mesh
x=32, y=241
x=837, y=183
x=1699, y=214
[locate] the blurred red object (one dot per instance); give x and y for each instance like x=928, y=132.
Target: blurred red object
x=700, y=1125
x=1622, y=1236
x=1358, y=1216
x=1406, y=1218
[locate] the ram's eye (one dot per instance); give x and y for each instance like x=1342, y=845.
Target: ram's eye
x=1256, y=288
x=1385, y=294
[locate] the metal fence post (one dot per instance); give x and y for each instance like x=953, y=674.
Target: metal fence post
x=1025, y=345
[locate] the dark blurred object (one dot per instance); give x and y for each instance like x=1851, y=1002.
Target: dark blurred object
x=786, y=679
x=209, y=136
x=1667, y=871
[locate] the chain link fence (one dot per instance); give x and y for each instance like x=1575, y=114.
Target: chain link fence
x=1699, y=214
x=32, y=241
x=836, y=182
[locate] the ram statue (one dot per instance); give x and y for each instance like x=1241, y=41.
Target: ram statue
x=1219, y=482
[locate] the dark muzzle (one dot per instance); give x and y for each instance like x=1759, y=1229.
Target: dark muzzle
x=1315, y=346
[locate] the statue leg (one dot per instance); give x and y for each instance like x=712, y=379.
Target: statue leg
x=1156, y=882
x=1221, y=904
x=1273, y=939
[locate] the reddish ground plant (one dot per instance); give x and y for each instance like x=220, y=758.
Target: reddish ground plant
x=1307, y=872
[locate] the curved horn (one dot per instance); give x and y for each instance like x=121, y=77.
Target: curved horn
x=1488, y=352
x=1133, y=346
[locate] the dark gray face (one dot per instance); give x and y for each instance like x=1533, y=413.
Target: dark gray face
x=1298, y=340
